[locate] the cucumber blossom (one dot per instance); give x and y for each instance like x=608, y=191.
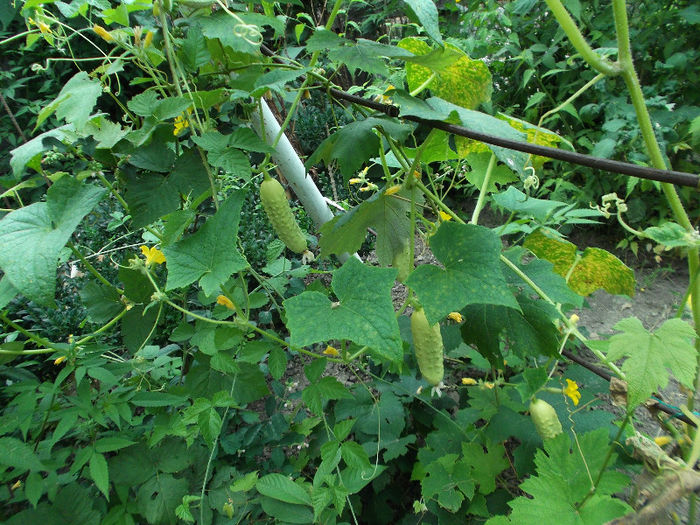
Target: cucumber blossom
x=545, y=419
x=427, y=342
x=276, y=206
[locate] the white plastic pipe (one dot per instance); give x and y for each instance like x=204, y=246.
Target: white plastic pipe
x=292, y=169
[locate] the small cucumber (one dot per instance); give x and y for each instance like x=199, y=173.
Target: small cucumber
x=276, y=206
x=427, y=343
x=545, y=419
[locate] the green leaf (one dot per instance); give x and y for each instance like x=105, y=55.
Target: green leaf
x=150, y=196
x=499, y=174
x=18, y=455
x=357, y=56
x=650, y=356
x=364, y=313
x=246, y=139
x=193, y=51
x=594, y=269
x=209, y=255
x=562, y=482
x=386, y=214
x=189, y=174
x=101, y=302
x=72, y=505
x=99, y=472
x=105, y=132
x=282, y=488
x=32, y=237
x=471, y=273
x=276, y=80
x=427, y=14
x=324, y=39
x=330, y=388
x=110, y=444
x=144, y=103
x=356, y=142
x=137, y=326
x=438, y=109
x=157, y=399
x=7, y=292
x=158, y=497
x=462, y=81
x=23, y=155
x=542, y=273
x=34, y=488
x=245, y=483
x=516, y=201
x=354, y=455
x=672, y=235
x=155, y=156
x=219, y=25
x=485, y=466
x=530, y=331
x=209, y=423
x=74, y=102
x=250, y=384
x=277, y=362
x=287, y=512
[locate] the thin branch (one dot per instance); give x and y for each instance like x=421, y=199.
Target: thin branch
x=643, y=172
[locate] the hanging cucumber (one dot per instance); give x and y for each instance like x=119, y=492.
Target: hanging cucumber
x=427, y=342
x=545, y=419
x=276, y=206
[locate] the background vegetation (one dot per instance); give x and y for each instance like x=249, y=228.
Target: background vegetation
x=165, y=358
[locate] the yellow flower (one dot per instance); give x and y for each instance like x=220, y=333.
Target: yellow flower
x=148, y=39
x=355, y=180
x=331, y=351
x=103, y=33
x=571, y=390
x=489, y=385
x=663, y=440
x=225, y=301
x=17, y=484
x=445, y=216
x=392, y=189
x=153, y=255
x=384, y=98
x=59, y=360
x=574, y=319
x=371, y=186
x=455, y=316
x=180, y=124
x=468, y=381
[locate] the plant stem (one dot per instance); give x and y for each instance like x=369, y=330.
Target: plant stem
x=92, y=269
x=424, y=85
x=605, y=462
x=654, y=151
x=109, y=324
x=567, y=23
x=40, y=341
x=481, y=201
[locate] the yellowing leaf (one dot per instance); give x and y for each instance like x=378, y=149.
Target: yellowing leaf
x=459, y=79
x=593, y=269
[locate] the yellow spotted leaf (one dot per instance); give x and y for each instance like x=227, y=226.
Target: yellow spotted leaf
x=458, y=79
